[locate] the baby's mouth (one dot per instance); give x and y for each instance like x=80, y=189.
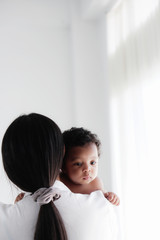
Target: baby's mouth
x=86, y=177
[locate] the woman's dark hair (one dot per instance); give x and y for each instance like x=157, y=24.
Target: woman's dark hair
x=32, y=152
x=76, y=137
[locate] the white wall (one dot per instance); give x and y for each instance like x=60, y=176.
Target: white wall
x=35, y=66
x=35, y=70
x=88, y=37
x=52, y=61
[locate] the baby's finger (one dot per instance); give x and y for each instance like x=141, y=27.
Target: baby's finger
x=110, y=197
x=116, y=201
x=113, y=199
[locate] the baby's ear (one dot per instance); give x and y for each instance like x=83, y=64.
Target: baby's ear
x=63, y=169
x=63, y=166
x=64, y=149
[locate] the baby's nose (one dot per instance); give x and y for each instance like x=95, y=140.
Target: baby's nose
x=87, y=168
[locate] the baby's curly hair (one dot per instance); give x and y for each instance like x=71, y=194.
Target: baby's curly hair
x=76, y=137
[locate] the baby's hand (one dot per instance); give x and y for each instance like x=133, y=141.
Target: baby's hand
x=19, y=197
x=112, y=197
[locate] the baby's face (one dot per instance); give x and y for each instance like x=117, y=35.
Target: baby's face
x=82, y=164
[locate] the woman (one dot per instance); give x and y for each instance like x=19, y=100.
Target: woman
x=32, y=152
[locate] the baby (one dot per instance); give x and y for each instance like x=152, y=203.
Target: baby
x=80, y=165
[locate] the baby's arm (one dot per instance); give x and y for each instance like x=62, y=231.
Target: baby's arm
x=97, y=184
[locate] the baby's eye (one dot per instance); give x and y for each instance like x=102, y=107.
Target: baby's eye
x=93, y=162
x=77, y=164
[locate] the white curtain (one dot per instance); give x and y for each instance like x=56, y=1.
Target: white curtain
x=133, y=34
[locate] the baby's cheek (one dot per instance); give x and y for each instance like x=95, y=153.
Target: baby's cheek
x=75, y=172
x=95, y=170
x=75, y=176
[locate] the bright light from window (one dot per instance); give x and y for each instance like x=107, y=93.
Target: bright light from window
x=126, y=19
x=143, y=10
x=133, y=36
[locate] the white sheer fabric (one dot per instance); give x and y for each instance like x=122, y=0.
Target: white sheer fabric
x=133, y=33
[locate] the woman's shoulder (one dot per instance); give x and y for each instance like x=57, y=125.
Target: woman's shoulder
x=67, y=195
x=80, y=202
x=91, y=212
x=19, y=211
x=61, y=186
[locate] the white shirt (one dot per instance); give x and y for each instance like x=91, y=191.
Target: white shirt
x=86, y=217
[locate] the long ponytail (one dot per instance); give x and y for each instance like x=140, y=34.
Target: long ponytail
x=50, y=225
